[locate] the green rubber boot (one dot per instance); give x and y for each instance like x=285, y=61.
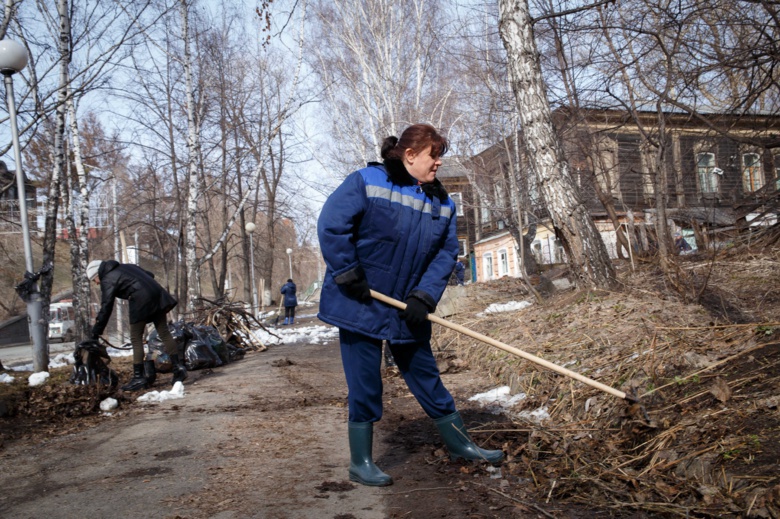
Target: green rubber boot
x=459, y=443
x=361, y=467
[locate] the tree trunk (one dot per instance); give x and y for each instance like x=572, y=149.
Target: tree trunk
x=587, y=253
x=80, y=242
x=52, y=203
x=193, y=195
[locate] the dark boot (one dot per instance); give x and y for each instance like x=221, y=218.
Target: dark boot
x=150, y=372
x=138, y=381
x=179, y=371
x=361, y=467
x=459, y=443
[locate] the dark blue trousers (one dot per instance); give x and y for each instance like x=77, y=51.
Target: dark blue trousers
x=362, y=359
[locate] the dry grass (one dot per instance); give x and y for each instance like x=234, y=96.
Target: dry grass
x=707, y=376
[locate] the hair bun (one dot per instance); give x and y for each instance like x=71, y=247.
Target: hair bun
x=388, y=144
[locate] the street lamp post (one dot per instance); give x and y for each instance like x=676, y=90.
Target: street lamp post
x=13, y=58
x=289, y=257
x=250, y=228
x=118, y=257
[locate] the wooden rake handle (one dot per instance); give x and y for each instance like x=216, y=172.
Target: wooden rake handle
x=510, y=349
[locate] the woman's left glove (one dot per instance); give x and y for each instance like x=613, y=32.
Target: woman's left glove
x=416, y=312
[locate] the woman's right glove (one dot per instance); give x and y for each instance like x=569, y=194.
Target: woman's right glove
x=416, y=312
x=358, y=289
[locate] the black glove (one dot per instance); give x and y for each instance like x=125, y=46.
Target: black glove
x=358, y=289
x=416, y=312
x=95, y=335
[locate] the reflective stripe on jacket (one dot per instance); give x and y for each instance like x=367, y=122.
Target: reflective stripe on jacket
x=405, y=242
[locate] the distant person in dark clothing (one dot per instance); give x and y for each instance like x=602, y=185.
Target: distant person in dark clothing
x=290, y=302
x=680, y=244
x=459, y=272
x=149, y=303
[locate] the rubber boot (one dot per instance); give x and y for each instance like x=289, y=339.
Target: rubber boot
x=292, y=320
x=459, y=443
x=150, y=372
x=138, y=381
x=179, y=371
x=361, y=467
x=285, y=321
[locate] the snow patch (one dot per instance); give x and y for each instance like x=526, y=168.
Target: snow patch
x=38, y=379
x=511, y=306
x=498, y=400
x=109, y=404
x=176, y=392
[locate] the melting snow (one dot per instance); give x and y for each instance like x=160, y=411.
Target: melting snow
x=176, y=392
x=511, y=306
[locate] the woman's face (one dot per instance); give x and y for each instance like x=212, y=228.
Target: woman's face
x=421, y=165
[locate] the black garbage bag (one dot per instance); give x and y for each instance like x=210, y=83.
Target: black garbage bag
x=162, y=363
x=201, y=352
x=181, y=333
x=216, y=341
x=235, y=352
x=91, y=365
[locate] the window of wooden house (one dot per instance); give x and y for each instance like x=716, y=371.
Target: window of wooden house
x=484, y=214
x=752, y=177
x=777, y=170
x=709, y=179
x=649, y=160
x=605, y=166
x=463, y=251
x=458, y=199
x=487, y=265
x=503, y=262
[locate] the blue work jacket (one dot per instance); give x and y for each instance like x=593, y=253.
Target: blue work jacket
x=403, y=240
x=288, y=290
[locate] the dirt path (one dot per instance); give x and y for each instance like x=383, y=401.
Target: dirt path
x=251, y=439
x=262, y=437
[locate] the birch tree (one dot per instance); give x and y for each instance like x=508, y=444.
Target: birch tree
x=277, y=113
x=586, y=250
x=381, y=67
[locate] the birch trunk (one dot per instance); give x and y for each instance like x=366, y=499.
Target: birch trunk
x=193, y=195
x=587, y=253
x=80, y=249
x=58, y=161
x=52, y=203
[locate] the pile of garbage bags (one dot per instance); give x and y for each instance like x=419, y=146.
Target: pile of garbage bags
x=200, y=346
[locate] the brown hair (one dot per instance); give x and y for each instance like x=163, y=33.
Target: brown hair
x=417, y=137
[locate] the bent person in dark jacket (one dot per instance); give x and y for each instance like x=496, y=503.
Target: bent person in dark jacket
x=290, y=302
x=391, y=227
x=149, y=303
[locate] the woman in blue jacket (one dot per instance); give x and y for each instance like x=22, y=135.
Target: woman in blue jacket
x=290, y=302
x=391, y=227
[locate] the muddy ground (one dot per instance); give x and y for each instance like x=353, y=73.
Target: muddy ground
x=266, y=436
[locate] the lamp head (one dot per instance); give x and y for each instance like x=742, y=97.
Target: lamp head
x=250, y=227
x=289, y=251
x=13, y=57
